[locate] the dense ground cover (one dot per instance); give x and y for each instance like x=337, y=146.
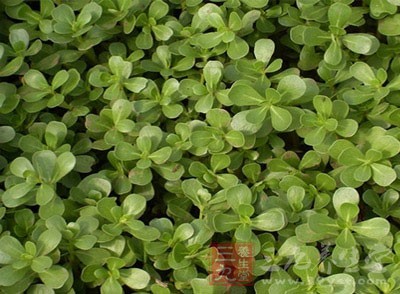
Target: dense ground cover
x=137, y=136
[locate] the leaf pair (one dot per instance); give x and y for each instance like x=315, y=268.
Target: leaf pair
x=239, y=198
x=271, y=105
x=124, y=218
x=360, y=166
x=19, y=41
x=46, y=169
x=32, y=261
x=330, y=117
x=116, y=79
x=114, y=274
x=147, y=153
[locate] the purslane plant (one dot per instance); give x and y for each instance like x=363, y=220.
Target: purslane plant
x=138, y=136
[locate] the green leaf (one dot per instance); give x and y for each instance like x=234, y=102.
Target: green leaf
x=240, y=123
x=41, y=264
x=361, y=43
x=238, y=48
x=125, y=126
x=295, y=196
x=135, y=278
x=219, y=161
x=310, y=36
x=7, y=133
x=125, y=152
x=389, y=146
x=291, y=87
x=170, y=171
x=63, y=13
x=363, y=173
x=146, y=234
x=161, y=155
x=339, y=15
x=351, y=156
x=36, y=80
x=256, y=115
x=310, y=159
x=158, y=9
x=44, y=194
x=10, y=249
x=348, y=212
x=347, y=177
x=347, y=128
x=243, y=233
x=338, y=146
x=256, y=3
x=263, y=49
x=213, y=73
x=215, y=20
x=12, y=67
x=323, y=105
x=375, y=228
x=59, y=79
x=162, y=32
x=205, y=103
x=330, y=124
x=44, y=163
x=363, y=72
x=10, y=276
x=190, y=188
x=201, y=138
x=183, y=232
x=305, y=234
x=244, y=95
x=111, y=285
x=333, y=55
x=315, y=136
x=345, y=257
x=140, y=177
x=172, y=111
x=323, y=224
x=65, y=164
x=19, y=39
x=55, y=277
x=237, y=195
x=341, y=283
x=225, y=222
x=14, y=196
x=325, y=182
x=281, y=118
x=383, y=175
x=389, y=26
x=136, y=84
x=93, y=256
x=134, y=204
x=290, y=247
x=121, y=109
x=85, y=242
x=120, y=67
x=218, y=117
x=306, y=263
x=204, y=286
x=346, y=239
x=345, y=195
x=235, y=138
x=272, y=220
x=209, y=40
x=48, y=241
x=55, y=134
